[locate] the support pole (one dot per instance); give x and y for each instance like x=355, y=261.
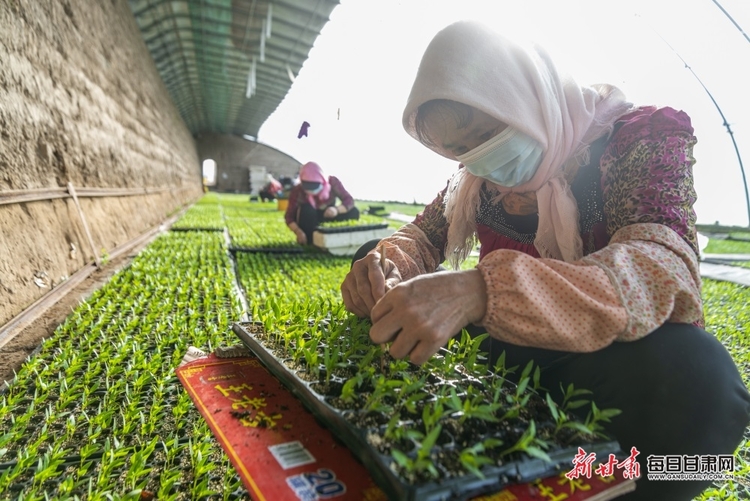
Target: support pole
x=72, y=192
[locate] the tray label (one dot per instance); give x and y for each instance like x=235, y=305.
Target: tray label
x=291, y=454
x=311, y=486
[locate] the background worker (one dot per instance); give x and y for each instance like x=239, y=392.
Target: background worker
x=272, y=190
x=583, y=205
x=313, y=201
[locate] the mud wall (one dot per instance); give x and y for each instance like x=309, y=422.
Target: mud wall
x=81, y=101
x=234, y=156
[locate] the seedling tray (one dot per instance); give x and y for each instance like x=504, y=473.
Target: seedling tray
x=185, y=228
x=351, y=229
x=268, y=250
x=463, y=487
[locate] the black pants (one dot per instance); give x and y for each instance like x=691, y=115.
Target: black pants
x=678, y=389
x=266, y=195
x=309, y=218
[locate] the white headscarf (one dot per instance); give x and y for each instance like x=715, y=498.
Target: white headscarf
x=469, y=63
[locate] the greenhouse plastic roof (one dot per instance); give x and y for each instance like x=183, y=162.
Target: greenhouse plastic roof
x=229, y=63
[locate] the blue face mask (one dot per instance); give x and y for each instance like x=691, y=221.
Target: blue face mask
x=312, y=187
x=509, y=159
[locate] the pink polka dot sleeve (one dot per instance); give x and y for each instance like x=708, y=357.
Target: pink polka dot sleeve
x=411, y=252
x=647, y=276
x=656, y=274
x=550, y=304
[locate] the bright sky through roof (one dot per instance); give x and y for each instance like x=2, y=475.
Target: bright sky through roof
x=354, y=85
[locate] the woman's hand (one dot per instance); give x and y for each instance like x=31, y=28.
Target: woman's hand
x=301, y=237
x=330, y=213
x=366, y=283
x=420, y=315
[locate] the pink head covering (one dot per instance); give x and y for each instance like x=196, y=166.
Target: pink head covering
x=469, y=63
x=312, y=172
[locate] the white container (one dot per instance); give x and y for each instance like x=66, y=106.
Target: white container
x=258, y=178
x=346, y=244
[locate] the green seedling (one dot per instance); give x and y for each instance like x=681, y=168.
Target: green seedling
x=530, y=444
x=202, y=467
x=570, y=394
x=348, y=391
x=398, y=368
x=408, y=392
x=383, y=392
x=432, y=414
x=331, y=360
x=597, y=416
x=134, y=478
x=563, y=421
x=396, y=432
x=66, y=486
x=422, y=463
x=468, y=353
x=519, y=399
x=410, y=401
x=231, y=481
x=48, y=465
x=311, y=359
x=24, y=461
x=113, y=461
x=473, y=406
x=167, y=480
x=473, y=459
x=500, y=368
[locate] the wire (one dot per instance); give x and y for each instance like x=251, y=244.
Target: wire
x=733, y=21
x=724, y=119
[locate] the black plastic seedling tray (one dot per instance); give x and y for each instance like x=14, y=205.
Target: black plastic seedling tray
x=268, y=250
x=464, y=487
x=185, y=228
x=351, y=229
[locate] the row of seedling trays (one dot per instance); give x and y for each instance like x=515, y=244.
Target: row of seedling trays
x=98, y=412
